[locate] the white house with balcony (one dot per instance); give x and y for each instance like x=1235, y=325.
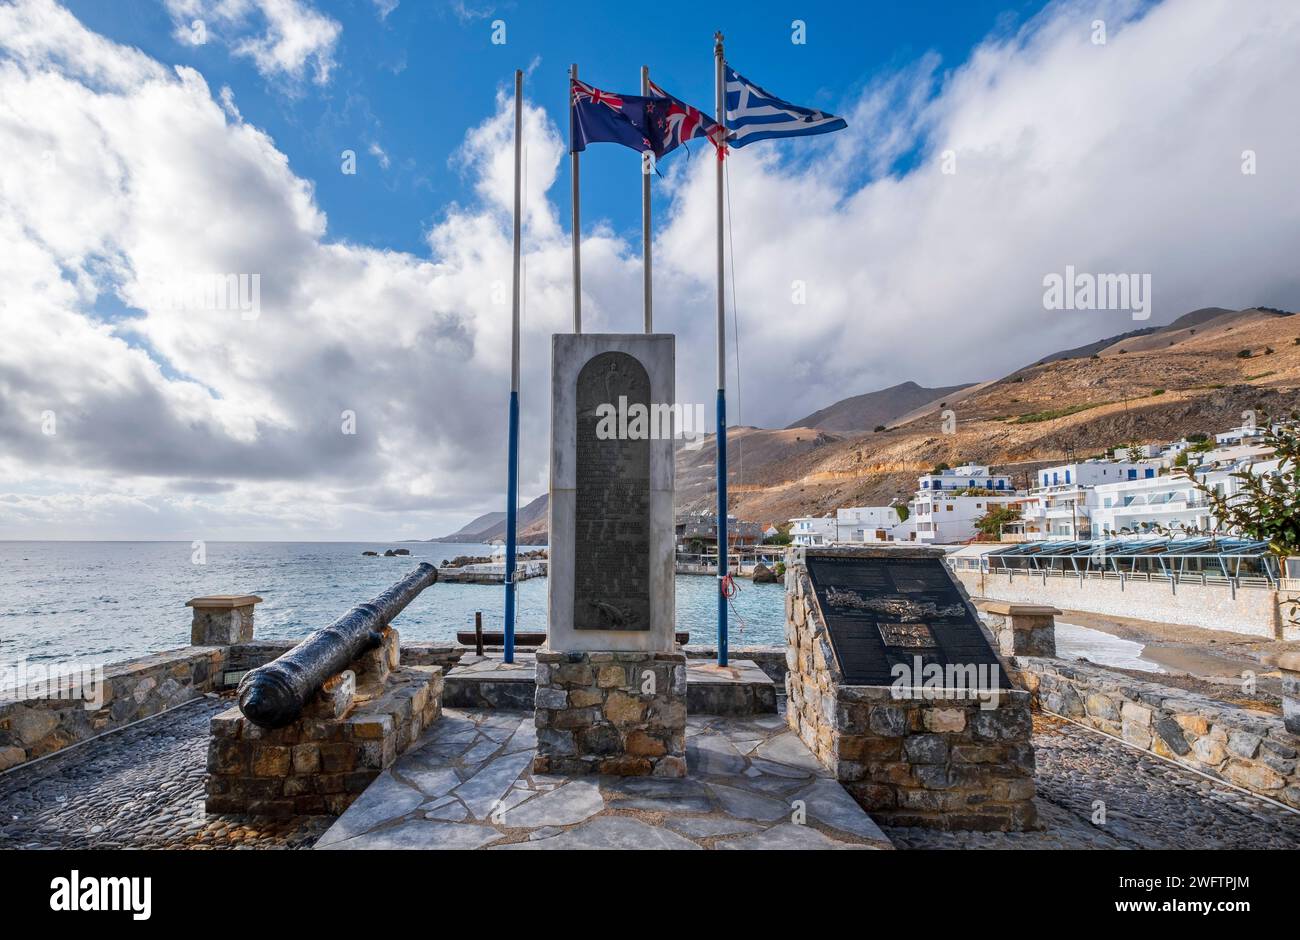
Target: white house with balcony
x=1094, y=473
x=1244, y=434
x=967, y=476
x=943, y=518
x=873, y=524
x=811, y=531
x=1060, y=506
x=1145, y=507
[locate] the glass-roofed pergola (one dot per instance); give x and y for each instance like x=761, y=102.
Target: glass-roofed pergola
x=1221, y=557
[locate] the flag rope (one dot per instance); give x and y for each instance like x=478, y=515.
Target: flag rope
x=735, y=325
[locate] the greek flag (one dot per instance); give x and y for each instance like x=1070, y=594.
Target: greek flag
x=754, y=114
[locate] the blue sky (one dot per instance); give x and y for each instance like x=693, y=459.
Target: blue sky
x=415, y=81
x=990, y=144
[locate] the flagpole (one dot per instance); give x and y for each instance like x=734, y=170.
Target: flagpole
x=645, y=219
x=512, y=474
x=720, y=104
x=577, y=226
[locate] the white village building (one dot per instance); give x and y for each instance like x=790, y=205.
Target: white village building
x=1060, y=506
x=873, y=524
x=964, y=477
x=811, y=531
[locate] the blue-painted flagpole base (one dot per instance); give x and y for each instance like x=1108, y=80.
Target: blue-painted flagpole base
x=512, y=497
x=722, y=526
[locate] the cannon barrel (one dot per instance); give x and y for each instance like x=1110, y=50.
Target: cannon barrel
x=274, y=695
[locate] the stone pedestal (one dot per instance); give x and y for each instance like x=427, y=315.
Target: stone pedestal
x=1022, y=629
x=611, y=713
x=357, y=725
x=913, y=753
x=222, y=619
x=738, y=689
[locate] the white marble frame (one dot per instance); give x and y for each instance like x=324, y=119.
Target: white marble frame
x=569, y=353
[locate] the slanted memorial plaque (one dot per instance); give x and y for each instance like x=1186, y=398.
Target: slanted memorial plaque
x=611, y=571
x=882, y=612
x=896, y=687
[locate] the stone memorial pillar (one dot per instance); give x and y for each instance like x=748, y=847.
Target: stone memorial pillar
x=611, y=687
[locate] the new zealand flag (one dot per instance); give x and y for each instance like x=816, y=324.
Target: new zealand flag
x=602, y=117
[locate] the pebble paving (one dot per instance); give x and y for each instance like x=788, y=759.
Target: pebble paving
x=141, y=787
x=469, y=785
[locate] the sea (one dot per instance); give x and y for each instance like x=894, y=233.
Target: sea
x=103, y=602
x=96, y=603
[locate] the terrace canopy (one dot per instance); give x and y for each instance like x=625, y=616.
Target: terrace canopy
x=1181, y=557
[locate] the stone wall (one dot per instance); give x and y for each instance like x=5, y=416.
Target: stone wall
x=908, y=758
x=47, y=719
x=443, y=655
x=318, y=764
x=1249, y=610
x=1248, y=748
x=596, y=713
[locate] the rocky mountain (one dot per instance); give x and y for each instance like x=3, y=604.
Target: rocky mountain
x=471, y=531
x=866, y=412
x=491, y=527
x=1165, y=383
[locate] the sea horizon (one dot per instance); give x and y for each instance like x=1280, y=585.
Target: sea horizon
x=50, y=611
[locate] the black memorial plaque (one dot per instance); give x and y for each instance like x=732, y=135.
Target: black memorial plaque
x=883, y=612
x=611, y=538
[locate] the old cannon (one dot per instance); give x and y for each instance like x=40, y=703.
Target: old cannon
x=275, y=695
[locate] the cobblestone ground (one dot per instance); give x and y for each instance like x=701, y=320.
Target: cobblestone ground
x=143, y=788
x=138, y=788
x=1149, y=803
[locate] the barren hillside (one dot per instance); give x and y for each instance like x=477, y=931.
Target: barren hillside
x=1194, y=379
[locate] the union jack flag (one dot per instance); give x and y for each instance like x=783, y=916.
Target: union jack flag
x=680, y=122
x=585, y=92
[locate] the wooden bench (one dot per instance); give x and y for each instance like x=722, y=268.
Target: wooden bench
x=498, y=638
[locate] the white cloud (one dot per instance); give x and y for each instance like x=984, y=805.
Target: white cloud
x=385, y=7
x=283, y=38
x=378, y=153
x=122, y=174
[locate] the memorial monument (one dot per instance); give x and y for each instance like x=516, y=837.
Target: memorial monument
x=895, y=685
x=611, y=687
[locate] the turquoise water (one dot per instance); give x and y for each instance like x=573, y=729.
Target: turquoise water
x=108, y=601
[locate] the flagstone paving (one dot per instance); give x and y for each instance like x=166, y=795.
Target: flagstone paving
x=142, y=787
x=469, y=784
